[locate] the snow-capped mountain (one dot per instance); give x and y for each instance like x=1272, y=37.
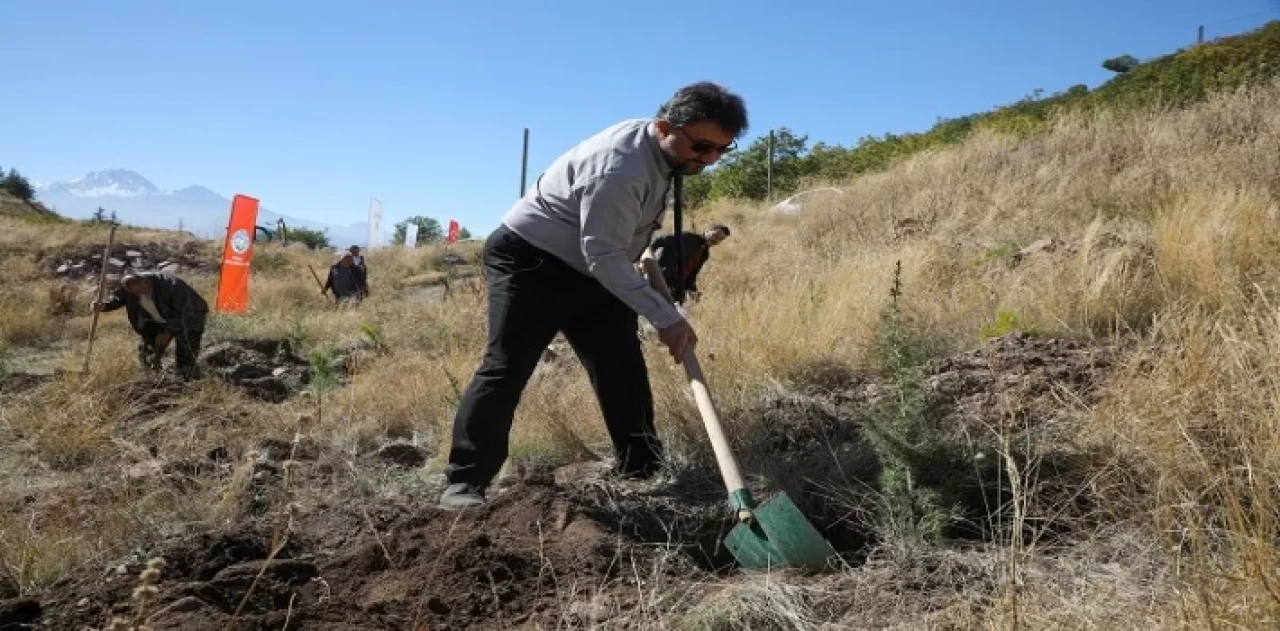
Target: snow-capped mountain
x=136, y=200
x=108, y=183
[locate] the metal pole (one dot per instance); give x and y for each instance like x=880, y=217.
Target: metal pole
x=524, y=161
x=769, y=171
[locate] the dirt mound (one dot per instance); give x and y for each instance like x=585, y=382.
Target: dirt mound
x=85, y=261
x=272, y=370
x=535, y=556
x=1032, y=379
x=265, y=369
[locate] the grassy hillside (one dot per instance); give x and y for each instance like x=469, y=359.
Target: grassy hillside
x=1021, y=381
x=1175, y=80
x=11, y=206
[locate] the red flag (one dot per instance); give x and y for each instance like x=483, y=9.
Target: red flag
x=453, y=231
x=237, y=252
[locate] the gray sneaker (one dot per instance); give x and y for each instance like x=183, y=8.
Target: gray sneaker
x=461, y=495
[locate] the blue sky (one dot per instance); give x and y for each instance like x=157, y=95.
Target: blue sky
x=315, y=107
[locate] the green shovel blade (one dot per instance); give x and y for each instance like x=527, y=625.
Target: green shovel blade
x=779, y=537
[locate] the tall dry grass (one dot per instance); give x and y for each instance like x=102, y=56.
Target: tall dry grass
x=1166, y=227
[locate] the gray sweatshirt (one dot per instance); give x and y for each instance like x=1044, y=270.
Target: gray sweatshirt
x=596, y=208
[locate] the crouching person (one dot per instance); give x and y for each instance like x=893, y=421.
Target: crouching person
x=162, y=309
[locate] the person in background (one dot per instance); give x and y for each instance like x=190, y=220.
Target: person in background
x=356, y=258
x=346, y=280
x=161, y=309
x=695, y=249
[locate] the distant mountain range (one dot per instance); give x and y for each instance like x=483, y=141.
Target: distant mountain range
x=203, y=212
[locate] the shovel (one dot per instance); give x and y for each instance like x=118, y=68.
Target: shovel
x=773, y=534
x=102, y=284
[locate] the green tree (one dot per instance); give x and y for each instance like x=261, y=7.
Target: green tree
x=1121, y=64
x=463, y=233
x=99, y=215
x=429, y=230
x=313, y=239
x=746, y=174
x=18, y=186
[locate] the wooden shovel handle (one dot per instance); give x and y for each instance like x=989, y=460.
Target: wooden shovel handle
x=102, y=283
x=706, y=407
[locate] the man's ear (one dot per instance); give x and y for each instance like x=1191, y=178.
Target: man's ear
x=663, y=127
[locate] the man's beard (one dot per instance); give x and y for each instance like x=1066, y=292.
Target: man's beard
x=692, y=167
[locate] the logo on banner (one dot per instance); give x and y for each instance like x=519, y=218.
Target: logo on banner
x=240, y=241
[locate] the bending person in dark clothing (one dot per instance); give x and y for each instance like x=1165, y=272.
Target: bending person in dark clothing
x=161, y=309
x=346, y=280
x=695, y=249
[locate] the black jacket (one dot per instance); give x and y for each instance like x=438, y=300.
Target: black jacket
x=347, y=281
x=693, y=248
x=181, y=306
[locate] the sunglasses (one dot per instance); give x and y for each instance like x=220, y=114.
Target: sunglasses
x=704, y=147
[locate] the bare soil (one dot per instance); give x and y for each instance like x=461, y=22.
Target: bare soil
x=536, y=555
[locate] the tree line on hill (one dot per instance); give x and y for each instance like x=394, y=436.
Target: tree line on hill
x=1175, y=80
x=15, y=184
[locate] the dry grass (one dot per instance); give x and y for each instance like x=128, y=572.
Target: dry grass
x=1167, y=223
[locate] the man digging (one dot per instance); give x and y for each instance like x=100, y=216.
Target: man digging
x=563, y=261
x=161, y=309
x=695, y=249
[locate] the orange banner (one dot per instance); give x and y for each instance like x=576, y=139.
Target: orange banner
x=453, y=231
x=237, y=252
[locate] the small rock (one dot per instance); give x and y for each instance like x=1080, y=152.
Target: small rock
x=1042, y=245
x=64, y=268
x=273, y=450
x=144, y=469
x=403, y=454
x=593, y=611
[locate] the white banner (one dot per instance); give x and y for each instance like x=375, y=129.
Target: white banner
x=375, y=224
x=411, y=235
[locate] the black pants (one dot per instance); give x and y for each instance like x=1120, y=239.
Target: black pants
x=186, y=348
x=532, y=296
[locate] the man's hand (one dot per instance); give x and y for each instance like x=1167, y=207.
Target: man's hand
x=679, y=339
